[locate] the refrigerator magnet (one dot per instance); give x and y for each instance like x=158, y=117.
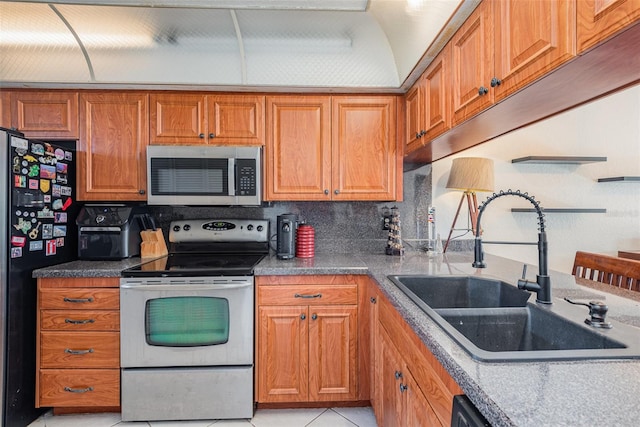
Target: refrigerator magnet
x=51, y=248
x=16, y=252
x=60, y=242
x=36, y=245
x=18, y=241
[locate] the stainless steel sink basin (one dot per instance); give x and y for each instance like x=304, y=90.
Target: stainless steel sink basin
x=493, y=322
x=461, y=291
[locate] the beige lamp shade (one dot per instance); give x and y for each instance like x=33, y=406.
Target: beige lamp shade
x=471, y=174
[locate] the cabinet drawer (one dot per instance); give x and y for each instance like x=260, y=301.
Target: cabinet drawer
x=80, y=350
x=79, y=387
x=307, y=294
x=80, y=320
x=80, y=298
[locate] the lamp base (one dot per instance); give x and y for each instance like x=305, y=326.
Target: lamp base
x=472, y=203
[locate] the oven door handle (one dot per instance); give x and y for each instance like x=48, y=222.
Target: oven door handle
x=185, y=287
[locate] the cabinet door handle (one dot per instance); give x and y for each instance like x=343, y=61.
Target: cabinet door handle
x=403, y=388
x=307, y=296
x=495, y=82
x=212, y=135
x=398, y=375
x=77, y=352
x=336, y=191
x=483, y=91
x=141, y=191
x=314, y=316
x=78, y=300
x=373, y=300
x=201, y=136
x=326, y=191
x=78, y=390
x=303, y=316
x=79, y=322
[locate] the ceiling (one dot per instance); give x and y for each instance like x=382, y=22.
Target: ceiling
x=271, y=45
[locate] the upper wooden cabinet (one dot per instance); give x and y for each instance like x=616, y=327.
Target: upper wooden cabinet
x=428, y=103
x=600, y=19
x=45, y=115
x=193, y=119
x=364, y=148
x=112, y=146
x=5, y=109
x=331, y=148
x=506, y=45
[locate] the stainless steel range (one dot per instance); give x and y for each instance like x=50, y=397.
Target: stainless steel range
x=186, y=340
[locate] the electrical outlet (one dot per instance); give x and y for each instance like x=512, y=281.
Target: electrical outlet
x=386, y=222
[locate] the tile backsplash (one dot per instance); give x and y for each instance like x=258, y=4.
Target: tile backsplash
x=340, y=227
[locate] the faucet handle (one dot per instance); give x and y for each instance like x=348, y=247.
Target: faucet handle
x=524, y=271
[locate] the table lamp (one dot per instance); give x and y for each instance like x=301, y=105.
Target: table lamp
x=469, y=174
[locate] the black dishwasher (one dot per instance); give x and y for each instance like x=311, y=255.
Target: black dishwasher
x=464, y=414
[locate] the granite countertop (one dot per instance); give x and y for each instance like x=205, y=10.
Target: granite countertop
x=551, y=393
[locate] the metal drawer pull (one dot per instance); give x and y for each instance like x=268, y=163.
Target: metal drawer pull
x=79, y=322
x=78, y=390
x=79, y=300
x=403, y=388
x=68, y=350
x=308, y=296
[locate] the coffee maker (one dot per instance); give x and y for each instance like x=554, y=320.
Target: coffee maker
x=287, y=225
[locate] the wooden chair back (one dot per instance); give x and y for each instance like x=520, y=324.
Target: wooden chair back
x=620, y=272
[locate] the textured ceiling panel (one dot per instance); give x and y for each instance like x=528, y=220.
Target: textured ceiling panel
x=158, y=45
x=315, y=49
x=36, y=46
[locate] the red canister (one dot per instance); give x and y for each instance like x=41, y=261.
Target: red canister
x=305, y=241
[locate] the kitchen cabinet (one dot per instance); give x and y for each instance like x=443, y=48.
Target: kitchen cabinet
x=78, y=343
x=505, y=45
x=427, y=103
x=402, y=401
x=332, y=148
x=5, y=109
x=307, y=346
x=599, y=20
x=412, y=387
x=114, y=135
x=45, y=114
x=195, y=119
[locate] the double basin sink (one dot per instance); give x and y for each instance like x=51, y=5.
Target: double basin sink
x=495, y=322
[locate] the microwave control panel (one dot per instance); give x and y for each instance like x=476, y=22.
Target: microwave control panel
x=246, y=177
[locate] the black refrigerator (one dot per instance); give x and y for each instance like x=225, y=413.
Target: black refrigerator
x=38, y=229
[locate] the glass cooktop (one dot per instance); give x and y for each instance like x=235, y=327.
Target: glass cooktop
x=197, y=264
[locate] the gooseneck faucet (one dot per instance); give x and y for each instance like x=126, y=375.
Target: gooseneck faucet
x=542, y=285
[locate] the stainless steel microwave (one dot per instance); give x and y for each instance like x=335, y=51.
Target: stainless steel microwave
x=204, y=175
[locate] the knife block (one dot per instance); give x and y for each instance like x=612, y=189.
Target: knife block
x=153, y=244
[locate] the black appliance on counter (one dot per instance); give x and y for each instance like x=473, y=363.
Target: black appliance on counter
x=38, y=230
x=110, y=231
x=286, y=234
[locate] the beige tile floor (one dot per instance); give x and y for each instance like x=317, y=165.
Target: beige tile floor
x=319, y=417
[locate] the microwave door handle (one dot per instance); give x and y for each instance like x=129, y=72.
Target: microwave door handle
x=232, y=176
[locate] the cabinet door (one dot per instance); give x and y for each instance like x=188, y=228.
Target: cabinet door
x=532, y=37
x=333, y=353
x=437, y=96
x=282, y=354
x=600, y=19
x=50, y=114
x=372, y=297
x=112, y=148
x=418, y=411
x=5, y=109
x=414, y=126
x=298, y=148
x=177, y=119
x=389, y=371
x=364, y=148
x=472, y=62
x=235, y=120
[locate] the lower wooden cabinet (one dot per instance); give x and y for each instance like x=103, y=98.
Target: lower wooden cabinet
x=411, y=387
x=307, y=339
x=78, y=343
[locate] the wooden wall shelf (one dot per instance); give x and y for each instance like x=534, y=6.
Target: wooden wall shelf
x=559, y=159
x=562, y=210
x=620, y=179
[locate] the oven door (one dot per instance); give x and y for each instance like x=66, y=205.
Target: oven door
x=187, y=321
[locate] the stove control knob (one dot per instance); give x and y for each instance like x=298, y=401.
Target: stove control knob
x=186, y=227
x=176, y=228
x=260, y=228
x=249, y=227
